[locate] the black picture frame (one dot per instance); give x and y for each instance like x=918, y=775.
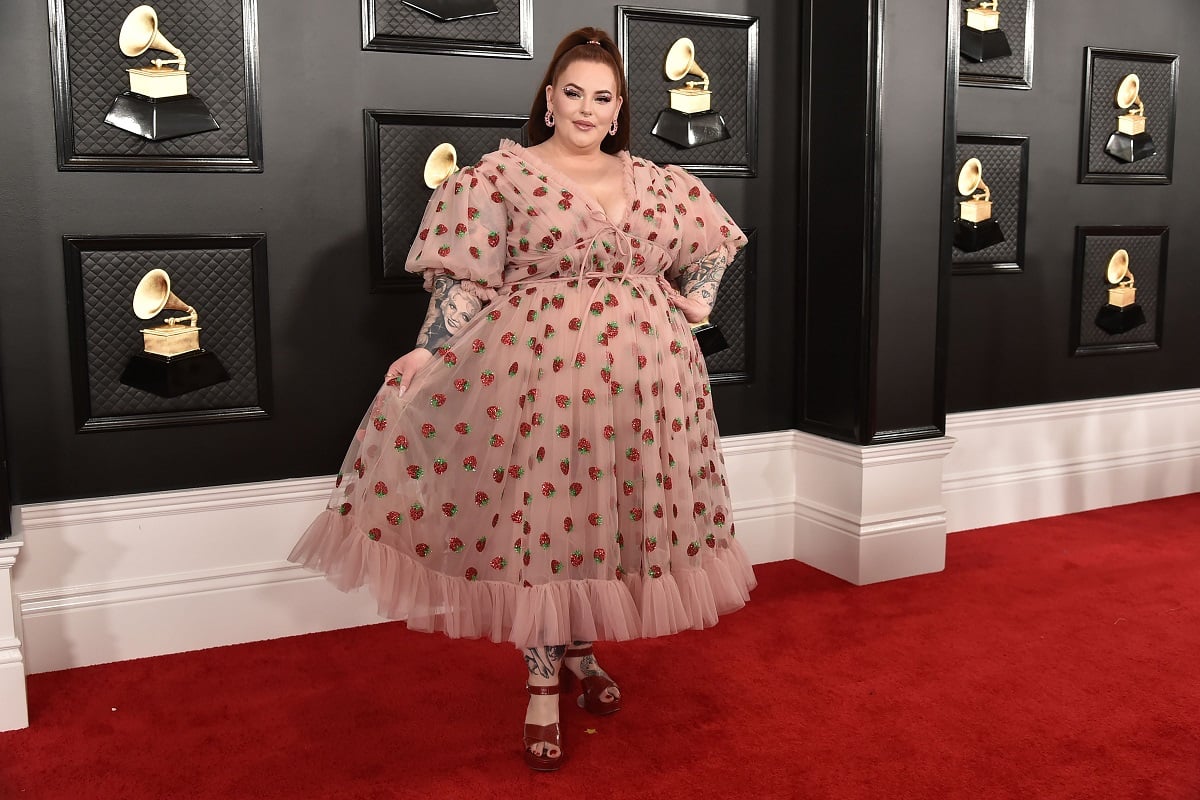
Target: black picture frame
x=397, y=143
x=5, y=491
x=1005, y=158
x=1103, y=70
x=1094, y=245
x=735, y=314
x=88, y=72
x=727, y=48
x=223, y=275
x=1014, y=71
x=392, y=26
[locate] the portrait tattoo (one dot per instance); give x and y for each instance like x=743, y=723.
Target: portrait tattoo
x=451, y=307
x=542, y=661
x=700, y=280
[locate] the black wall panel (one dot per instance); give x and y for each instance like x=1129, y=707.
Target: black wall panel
x=332, y=338
x=1010, y=335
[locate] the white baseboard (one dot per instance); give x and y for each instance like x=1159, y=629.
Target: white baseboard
x=127, y=577
x=1014, y=464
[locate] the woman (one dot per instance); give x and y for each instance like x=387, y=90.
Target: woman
x=543, y=468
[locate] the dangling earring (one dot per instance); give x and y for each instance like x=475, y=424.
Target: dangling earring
x=612, y=129
x=549, y=118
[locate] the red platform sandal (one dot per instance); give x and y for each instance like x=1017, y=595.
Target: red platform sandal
x=543, y=734
x=594, y=686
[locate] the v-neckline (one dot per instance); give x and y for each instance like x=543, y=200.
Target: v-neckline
x=589, y=198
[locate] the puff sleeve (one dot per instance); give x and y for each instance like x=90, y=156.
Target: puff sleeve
x=462, y=235
x=704, y=225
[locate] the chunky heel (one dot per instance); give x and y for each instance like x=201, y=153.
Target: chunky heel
x=543, y=734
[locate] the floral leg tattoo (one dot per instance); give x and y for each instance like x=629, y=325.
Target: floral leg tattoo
x=450, y=308
x=588, y=667
x=700, y=280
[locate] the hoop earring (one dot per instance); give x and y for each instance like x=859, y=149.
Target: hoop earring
x=612, y=129
x=549, y=118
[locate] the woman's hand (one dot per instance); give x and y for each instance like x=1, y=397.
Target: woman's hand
x=400, y=373
x=693, y=310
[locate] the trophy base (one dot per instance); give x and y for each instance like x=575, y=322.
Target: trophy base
x=159, y=118
x=710, y=338
x=690, y=130
x=171, y=376
x=979, y=46
x=1129, y=148
x=972, y=236
x=1114, y=319
x=450, y=10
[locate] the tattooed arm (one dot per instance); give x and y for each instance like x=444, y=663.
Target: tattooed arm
x=450, y=308
x=698, y=283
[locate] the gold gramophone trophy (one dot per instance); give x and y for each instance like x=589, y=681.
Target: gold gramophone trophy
x=975, y=228
x=441, y=164
x=1131, y=141
x=157, y=105
x=171, y=362
x=1121, y=313
x=981, y=38
x=690, y=121
x=451, y=10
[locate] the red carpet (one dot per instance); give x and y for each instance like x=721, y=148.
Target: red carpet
x=1052, y=659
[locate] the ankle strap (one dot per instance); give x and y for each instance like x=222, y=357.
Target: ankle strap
x=578, y=652
x=541, y=689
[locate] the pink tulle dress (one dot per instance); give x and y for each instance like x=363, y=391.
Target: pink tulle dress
x=555, y=474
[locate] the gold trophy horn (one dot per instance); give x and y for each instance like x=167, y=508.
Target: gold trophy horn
x=140, y=33
x=441, y=164
x=1129, y=94
x=153, y=294
x=1123, y=293
x=970, y=184
x=681, y=61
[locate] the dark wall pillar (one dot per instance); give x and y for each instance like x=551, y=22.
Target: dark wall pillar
x=877, y=113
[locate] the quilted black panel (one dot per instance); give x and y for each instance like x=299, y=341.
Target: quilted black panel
x=1145, y=253
x=1157, y=91
x=1010, y=67
x=397, y=27
x=217, y=282
x=209, y=32
x=397, y=194
x=721, y=51
x=734, y=314
x=1002, y=170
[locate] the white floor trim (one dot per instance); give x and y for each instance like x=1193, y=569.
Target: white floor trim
x=127, y=577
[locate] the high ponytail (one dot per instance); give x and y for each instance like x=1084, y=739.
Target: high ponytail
x=585, y=44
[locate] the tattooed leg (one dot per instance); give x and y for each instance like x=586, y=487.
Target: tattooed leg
x=701, y=279
x=451, y=307
x=543, y=664
x=586, y=665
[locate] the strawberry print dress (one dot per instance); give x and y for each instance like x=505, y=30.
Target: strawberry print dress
x=554, y=473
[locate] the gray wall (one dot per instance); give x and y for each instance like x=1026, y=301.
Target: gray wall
x=331, y=338
x=1009, y=334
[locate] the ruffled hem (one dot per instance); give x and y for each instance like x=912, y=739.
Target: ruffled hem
x=527, y=616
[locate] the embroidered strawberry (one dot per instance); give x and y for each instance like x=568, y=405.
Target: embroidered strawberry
x=540, y=191
x=677, y=424
x=525, y=429
x=544, y=540
x=422, y=549
x=499, y=563
x=711, y=540
x=635, y=514
x=655, y=571
x=632, y=453
x=496, y=440
x=374, y=534
x=562, y=431
x=557, y=363
x=441, y=229
x=449, y=509
x=564, y=466
x=480, y=543
x=380, y=423
x=555, y=566
x=564, y=264
x=719, y=518
x=486, y=377
x=345, y=508
x=675, y=347
x=575, y=488
x=595, y=473
x=627, y=488
x=525, y=561
x=595, y=519
x=493, y=238
x=498, y=475
x=667, y=483
x=548, y=333
x=541, y=454
x=444, y=250
x=393, y=517
x=575, y=324
x=450, y=359
x=580, y=360
x=598, y=555
x=456, y=544
x=440, y=466
x=516, y=471
x=424, y=234
x=437, y=400
x=460, y=229
x=512, y=369
x=472, y=573
x=576, y=558
x=564, y=204
x=497, y=198
x=609, y=432
x=415, y=472
x=462, y=384
x=523, y=245
x=597, y=308
x=658, y=510
x=548, y=489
